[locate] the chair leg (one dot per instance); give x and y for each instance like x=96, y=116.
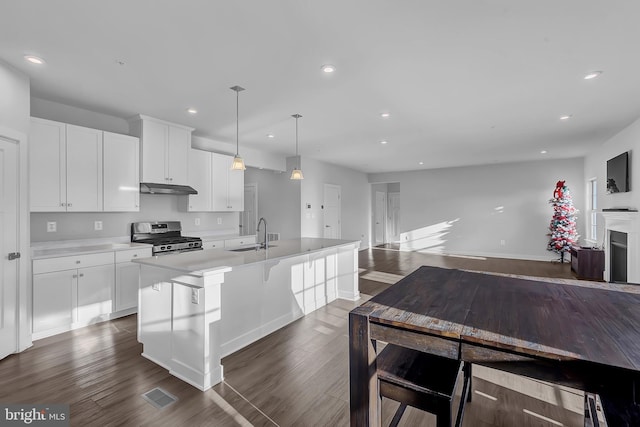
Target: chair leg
x=398, y=415
x=443, y=419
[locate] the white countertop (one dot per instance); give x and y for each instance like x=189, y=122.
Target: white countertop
x=201, y=262
x=41, y=250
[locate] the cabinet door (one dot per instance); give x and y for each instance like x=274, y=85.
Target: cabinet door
x=47, y=166
x=220, y=166
x=155, y=137
x=84, y=169
x=200, y=179
x=95, y=290
x=53, y=300
x=236, y=190
x=121, y=181
x=127, y=277
x=178, y=155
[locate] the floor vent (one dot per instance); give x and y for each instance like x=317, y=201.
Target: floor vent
x=159, y=398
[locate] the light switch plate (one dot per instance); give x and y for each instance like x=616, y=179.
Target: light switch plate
x=195, y=296
x=219, y=220
x=52, y=227
x=197, y=221
x=97, y=225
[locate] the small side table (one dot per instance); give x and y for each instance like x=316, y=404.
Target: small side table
x=587, y=263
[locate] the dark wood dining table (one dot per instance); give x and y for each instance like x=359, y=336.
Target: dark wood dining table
x=581, y=335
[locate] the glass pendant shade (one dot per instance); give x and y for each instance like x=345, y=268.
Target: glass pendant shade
x=296, y=174
x=238, y=164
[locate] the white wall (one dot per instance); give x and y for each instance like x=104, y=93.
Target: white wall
x=14, y=99
x=252, y=157
x=278, y=201
x=355, y=202
x=77, y=116
x=470, y=210
x=595, y=166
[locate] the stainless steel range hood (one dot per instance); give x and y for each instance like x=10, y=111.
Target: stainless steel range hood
x=153, y=188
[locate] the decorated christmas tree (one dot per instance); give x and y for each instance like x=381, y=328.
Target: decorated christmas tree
x=562, y=229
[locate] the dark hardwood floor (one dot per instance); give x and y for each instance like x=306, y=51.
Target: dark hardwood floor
x=297, y=376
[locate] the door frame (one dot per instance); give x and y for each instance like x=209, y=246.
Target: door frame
x=390, y=237
x=382, y=219
x=23, y=291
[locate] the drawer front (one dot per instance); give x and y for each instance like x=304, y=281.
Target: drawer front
x=239, y=241
x=128, y=255
x=70, y=262
x=213, y=244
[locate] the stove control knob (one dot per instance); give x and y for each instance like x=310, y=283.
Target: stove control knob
x=162, y=248
x=168, y=247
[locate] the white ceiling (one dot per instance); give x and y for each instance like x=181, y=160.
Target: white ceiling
x=466, y=81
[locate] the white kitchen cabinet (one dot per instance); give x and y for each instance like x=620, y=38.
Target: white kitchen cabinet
x=54, y=300
x=84, y=169
x=213, y=244
x=239, y=241
x=121, y=173
x=66, y=165
x=164, y=150
x=227, y=185
x=95, y=290
x=71, y=291
x=200, y=179
x=127, y=276
x=47, y=166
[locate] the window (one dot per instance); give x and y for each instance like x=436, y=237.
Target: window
x=592, y=231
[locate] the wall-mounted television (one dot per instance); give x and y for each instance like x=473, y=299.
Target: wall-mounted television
x=618, y=174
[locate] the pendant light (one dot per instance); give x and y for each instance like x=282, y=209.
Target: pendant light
x=238, y=163
x=296, y=173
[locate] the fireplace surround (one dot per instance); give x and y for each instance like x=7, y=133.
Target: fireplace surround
x=623, y=222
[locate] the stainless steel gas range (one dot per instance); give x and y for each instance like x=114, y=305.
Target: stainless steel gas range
x=166, y=237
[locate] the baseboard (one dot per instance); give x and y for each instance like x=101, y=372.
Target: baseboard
x=489, y=255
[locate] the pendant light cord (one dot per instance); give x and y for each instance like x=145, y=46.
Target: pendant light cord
x=237, y=122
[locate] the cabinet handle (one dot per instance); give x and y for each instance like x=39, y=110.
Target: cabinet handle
x=75, y=276
x=135, y=255
x=81, y=274
x=170, y=179
x=63, y=204
x=69, y=205
x=78, y=262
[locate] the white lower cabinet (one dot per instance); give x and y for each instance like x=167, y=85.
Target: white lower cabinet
x=75, y=291
x=127, y=277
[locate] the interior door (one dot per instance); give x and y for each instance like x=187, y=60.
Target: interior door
x=249, y=217
x=332, y=211
x=393, y=220
x=8, y=244
x=379, y=217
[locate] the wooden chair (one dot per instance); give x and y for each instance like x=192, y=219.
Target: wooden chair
x=424, y=381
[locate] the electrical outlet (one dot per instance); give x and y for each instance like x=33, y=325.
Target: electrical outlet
x=503, y=242
x=197, y=221
x=52, y=227
x=219, y=220
x=97, y=225
x=195, y=296
x=156, y=287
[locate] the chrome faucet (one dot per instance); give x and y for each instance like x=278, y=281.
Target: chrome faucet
x=264, y=245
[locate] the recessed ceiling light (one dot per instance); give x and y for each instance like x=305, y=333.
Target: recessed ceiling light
x=421, y=163
x=565, y=117
x=328, y=68
x=543, y=152
x=592, y=75
x=385, y=115
x=383, y=142
x=192, y=110
x=270, y=136
x=34, y=59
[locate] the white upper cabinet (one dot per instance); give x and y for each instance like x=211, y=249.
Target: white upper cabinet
x=65, y=164
x=121, y=173
x=84, y=169
x=78, y=169
x=227, y=185
x=47, y=165
x=164, y=150
x=200, y=179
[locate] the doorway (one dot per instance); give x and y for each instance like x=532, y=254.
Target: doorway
x=249, y=217
x=379, y=217
x=9, y=243
x=332, y=211
x=385, y=215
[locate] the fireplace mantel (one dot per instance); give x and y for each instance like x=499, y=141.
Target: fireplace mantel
x=624, y=222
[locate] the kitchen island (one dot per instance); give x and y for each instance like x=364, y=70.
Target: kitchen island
x=197, y=307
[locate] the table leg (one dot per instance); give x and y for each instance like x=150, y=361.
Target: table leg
x=365, y=399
